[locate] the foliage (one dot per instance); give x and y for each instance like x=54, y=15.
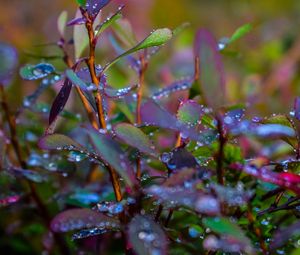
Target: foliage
x=177, y=170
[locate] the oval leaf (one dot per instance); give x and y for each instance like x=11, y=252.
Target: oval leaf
x=135, y=138
x=8, y=63
x=146, y=236
x=189, y=112
x=81, y=218
x=35, y=72
x=58, y=142
x=61, y=23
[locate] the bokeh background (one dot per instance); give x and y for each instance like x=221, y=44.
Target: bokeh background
x=263, y=66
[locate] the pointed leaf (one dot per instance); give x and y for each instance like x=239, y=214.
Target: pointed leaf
x=58, y=142
x=118, y=93
x=34, y=72
x=61, y=23
x=60, y=101
x=81, y=218
x=211, y=69
x=241, y=32
x=93, y=7
x=30, y=175
x=297, y=108
x=146, y=236
x=112, y=154
x=135, y=138
x=156, y=38
x=73, y=77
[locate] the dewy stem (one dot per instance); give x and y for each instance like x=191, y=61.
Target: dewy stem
x=92, y=70
x=98, y=98
x=16, y=146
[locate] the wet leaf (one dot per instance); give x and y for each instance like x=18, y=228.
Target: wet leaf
x=211, y=74
x=58, y=142
x=134, y=137
x=118, y=93
x=8, y=62
x=189, y=112
x=108, y=22
x=282, y=235
x=156, y=38
x=183, y=84
x=74, y=219
x=61, y=23
x=72, y=76
x=112, y=154
x=30, y=175
x=273, y=131
x=93, y=7
x=146, y=237
x=60, y=101
x=92, y=232
x=225, y=227
x=35, y=72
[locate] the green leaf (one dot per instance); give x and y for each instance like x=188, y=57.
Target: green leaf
x=180, y=28
x=135, y=138
x=189, y=112
x=81, y=38
x=156, y=38
x=61, y=23
x=35, y=72
x=224, y=226
x=72, y=76
x=81, y=2
x=108, y=22
x=241, y=32
x=112, y=154
x=58, y=142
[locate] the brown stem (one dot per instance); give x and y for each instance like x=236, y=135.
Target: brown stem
x=138, y=167
x=220, y=157
x=140, y=89
x=16, y=146
x=116, y=183
x=159, y=211
x=196, y=71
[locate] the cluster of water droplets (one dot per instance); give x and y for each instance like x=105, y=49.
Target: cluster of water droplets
x=111, y=208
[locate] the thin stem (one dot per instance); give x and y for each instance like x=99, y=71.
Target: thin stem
x=169, y=217
x=138, y=167
x=159, y=211
x=116, y=183
x=220, y=157
x=92, y=70
x=140, y=89
x=17, y=148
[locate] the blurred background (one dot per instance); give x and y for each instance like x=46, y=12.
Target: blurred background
x=260, y=66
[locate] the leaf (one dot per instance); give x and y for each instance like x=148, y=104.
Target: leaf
x=80, y=37
x=156, y=38
x=35, y=72
x=112, y=154
x=297, y=108
x=60, y=101
x=146, y=236
x=74, y=219
x=8, y=62
x=61, y=23
x=180, y=28
x=72, y=76
x=93, y=7
x=274, y=130
x=108, y=22
x=58, y=142
x=134, y=137
x=8, y=200
x=241, y=32
x=30, y=175
x=92, y=232
x=281, y=236
x=189, y=112
x=81, y=2
x=178, y=196
x=225, y=227
x=183, y=84
x=211, y=71
x=118, y=93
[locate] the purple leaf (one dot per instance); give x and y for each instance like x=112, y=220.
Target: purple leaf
x=146, y=237
x=60, y=101
x=30, y=175
x=134, y=137
x=297, y=108
x=283, y=235
x=93, y=7
x=118, y=93
x=8, y=63
x=180, y=85
x=76, y=21
x=211, y=69
x=7, y=200
x=74, y=219
x=180, y=196
x=112, y=154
